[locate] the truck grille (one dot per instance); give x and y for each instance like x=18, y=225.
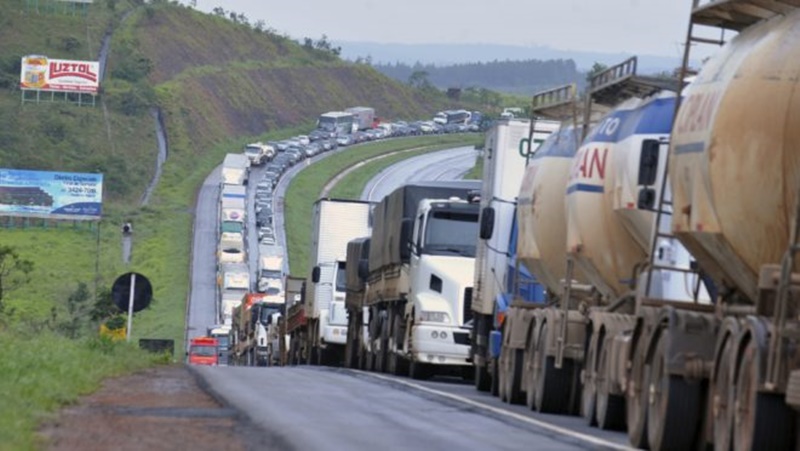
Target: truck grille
x=467, y=314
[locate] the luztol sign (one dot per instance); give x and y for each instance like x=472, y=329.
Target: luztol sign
x=47, y=74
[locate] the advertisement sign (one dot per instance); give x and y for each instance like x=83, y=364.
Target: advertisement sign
x=54, y=195
x=47, y=74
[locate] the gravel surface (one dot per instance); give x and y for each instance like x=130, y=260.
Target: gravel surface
x=163, y=408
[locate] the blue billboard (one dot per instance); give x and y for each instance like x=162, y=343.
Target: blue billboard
x=55, y=195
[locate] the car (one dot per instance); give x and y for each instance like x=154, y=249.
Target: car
x=344, y=140
x=265, y=230
x=304, y=139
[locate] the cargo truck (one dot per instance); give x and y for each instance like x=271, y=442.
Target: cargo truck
x=255, y=331
x=233, y=203
x=504, y=157
x=419, y=286
x=235, y=169
x=296, y=321
x=270, y=267
x=334, y=223
x=363, y=117
x=233, y=282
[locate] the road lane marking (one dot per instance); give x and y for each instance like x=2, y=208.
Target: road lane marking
x=541, y=424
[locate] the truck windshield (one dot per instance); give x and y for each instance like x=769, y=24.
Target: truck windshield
x=451, y=233
x=204, y=350
x=268, y=310
x=341, y=277
x=270, y=274
x=231, y=227
x=252, y=150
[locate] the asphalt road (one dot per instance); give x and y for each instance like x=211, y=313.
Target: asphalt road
x=331, y=409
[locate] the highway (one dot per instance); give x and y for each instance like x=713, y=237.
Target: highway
x=324, y=408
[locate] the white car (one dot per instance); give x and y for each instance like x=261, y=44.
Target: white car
x=268, y=239
x=265, y=231
x=304, y=139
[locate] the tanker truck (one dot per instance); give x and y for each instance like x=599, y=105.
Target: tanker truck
x=504, y=158
x=728, y=374
x=334, y=223
x=419, y=286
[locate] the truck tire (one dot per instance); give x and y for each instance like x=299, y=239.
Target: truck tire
x=609, y=408
x=763, y=420
x=513, y=379
x=482, y=380
x=674, y=405
x=397, y=363
x=589, y=387
x=553, y=385
x=722, y=396
x=636, y=396
x=419, y=370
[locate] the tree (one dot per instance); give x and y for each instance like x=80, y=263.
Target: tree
x=419, y=79
x=218, y=11
x=259, y=25
x=596, y=69
x=77, y=307
x=14, y=272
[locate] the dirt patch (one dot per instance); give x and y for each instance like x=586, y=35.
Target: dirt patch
x=162, y=408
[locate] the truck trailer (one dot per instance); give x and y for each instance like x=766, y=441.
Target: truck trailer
x=235, y=169
x=506, y=150
x=334, y=223
x=363, y=117
x=233, y=282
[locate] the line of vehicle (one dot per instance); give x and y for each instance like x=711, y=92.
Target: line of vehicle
x=497, y=411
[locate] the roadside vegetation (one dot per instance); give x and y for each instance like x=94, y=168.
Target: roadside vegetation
x=308, y=183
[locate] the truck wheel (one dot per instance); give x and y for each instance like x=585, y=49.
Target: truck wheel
x=588, y=390
x=314, y=357
x=529, y=375
x=553, y=385
x=636, y=396
x=513, y=377
x=610, y=408
x=722, y=405
x=763, y=420
x=482, y=380
x=674, y=404
x=397, y=364
x=502, y=375
x=419, y=370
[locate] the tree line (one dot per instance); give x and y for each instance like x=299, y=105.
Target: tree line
x=518, y=77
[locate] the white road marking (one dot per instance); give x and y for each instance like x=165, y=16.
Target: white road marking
x=544, y=425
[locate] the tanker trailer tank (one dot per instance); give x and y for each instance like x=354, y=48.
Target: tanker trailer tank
x=529, y=329
x=735, y=173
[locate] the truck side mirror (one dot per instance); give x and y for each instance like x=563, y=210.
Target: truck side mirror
x=487, y=223
x=405, y=239
x=315, y=273
x=648, y=163
x=363, y=269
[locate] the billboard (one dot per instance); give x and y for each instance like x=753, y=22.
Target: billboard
x=54, y=195
x=47, y=74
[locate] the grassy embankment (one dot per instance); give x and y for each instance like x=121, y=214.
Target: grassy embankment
x=306, y=186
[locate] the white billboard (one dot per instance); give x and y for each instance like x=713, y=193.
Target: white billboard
x=46, y=74
x=56, y=195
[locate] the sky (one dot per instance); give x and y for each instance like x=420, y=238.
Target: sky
x=652, y=27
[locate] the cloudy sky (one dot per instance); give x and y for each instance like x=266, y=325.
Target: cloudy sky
x=655, y=27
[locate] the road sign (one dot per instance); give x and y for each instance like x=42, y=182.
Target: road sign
x=142, y=292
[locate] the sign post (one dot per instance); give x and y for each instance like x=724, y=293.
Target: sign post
x=130, y=307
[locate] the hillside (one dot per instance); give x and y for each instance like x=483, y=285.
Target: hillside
x=217, y=83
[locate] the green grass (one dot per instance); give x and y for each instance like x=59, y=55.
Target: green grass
x=43, y=371
x=476, y=173
x=305, y=187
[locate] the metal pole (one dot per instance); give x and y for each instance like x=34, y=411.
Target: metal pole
x=97, y=262
x=130, y=306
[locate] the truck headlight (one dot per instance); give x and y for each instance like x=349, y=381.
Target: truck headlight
x=434, y=317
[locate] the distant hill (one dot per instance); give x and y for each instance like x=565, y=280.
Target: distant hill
x=448, y=54
x=514, y=77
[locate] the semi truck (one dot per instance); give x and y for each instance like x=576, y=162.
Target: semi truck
x=235, y=169
x=504, y=157
x=255, y=331
x=259, y=153
x=296, y=321
x=232, y=205
x=419, y=283
x=233, y=282
x=270, y=268
x=363, y=117
x=334, y=223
